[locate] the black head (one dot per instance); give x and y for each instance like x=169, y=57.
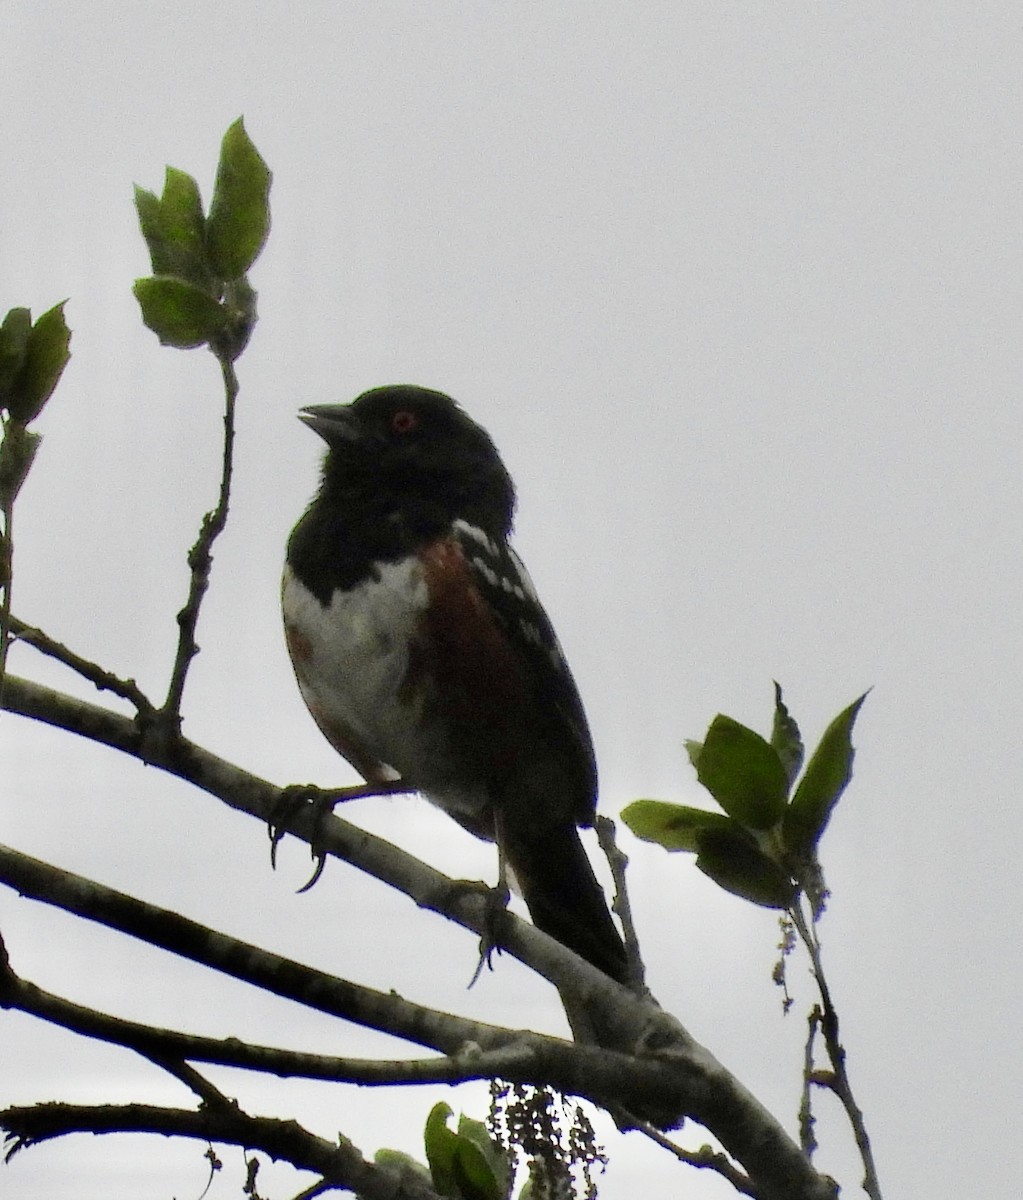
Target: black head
x=414, y=448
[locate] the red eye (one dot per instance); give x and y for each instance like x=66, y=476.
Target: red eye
x=404, y=421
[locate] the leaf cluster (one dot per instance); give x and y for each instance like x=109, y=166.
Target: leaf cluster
x=465, y=1163
x=762, y=845
x=199, y=293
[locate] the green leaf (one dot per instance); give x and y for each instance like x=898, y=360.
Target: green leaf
x=785, y=737
x=147, y=208
x=827, y=774
x=673, y=826
x=179, y=313
x=397, y=1160
x=17, y=453
x=693, y=751
x=183, y=220
x=496, y=1156
x=743, y=773
x=734, y=861
x=439, y=1141
x=474, y=1178
x=175, y=230
x=457, y=1165
x=239, y=219
x=46, y=355
x=13, y=340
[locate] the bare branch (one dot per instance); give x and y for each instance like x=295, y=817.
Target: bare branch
x=282, y=976
x=341, y=1165
x=200, y=557
x=807, y=1137
x=707, y=1159
x=127, y=689
x=839, y=1082
x=618, y=861
x=516, y=1061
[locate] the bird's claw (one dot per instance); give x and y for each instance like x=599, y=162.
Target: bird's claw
x=321, y=862
x=292, y=799
x=496, y=899
x=289, y=803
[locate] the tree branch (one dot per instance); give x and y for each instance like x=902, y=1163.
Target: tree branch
x=341, y=1165
x=281, y=976
x=515, y=1061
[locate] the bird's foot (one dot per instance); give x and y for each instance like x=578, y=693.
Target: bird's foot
x=496, y=907
x=495, y=901
x=293, y=799
x=496, y=911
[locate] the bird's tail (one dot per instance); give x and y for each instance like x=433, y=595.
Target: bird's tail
x=562, y=893
x=566, y=901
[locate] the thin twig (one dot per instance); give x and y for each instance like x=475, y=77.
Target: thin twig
x=6, y=579
x=210, y=1095
x=807, y=1137
x=838, y=1081
x=316, y=1189
x=103, y=680
x=200, y=557
x=706, y=1158
x=617, y=860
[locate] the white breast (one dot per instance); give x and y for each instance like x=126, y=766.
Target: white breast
x=354, y=655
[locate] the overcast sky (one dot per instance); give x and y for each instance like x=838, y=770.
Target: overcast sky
x=736, y=289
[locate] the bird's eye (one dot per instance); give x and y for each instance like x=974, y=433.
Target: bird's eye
x=403, y=421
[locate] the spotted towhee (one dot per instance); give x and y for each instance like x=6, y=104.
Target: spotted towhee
x=424, y=654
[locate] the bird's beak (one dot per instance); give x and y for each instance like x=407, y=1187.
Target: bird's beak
x=332, y=422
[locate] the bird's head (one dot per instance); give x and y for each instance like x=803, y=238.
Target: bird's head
x=416, y=446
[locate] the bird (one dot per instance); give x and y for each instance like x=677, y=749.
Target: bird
x=424, y=655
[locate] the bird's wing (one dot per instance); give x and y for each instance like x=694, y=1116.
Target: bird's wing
x=502, y=580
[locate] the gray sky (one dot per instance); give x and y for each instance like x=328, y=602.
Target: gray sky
x=736, y=289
